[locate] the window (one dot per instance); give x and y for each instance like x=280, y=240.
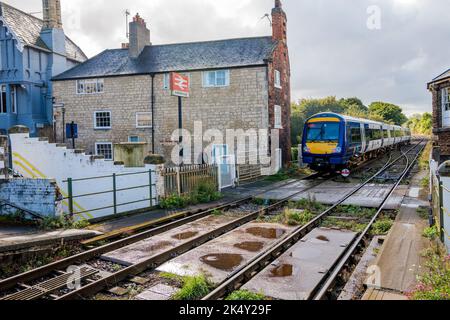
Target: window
x=143, y=119
x=133, y=139
x=220, y=78
x=104, y=149
x=278, y=122
x=355, y=135
x=102, y=120
x=13, y=99
x=446, y=99
x=386, y=134
x=323, y=132
x=3, y=100
x=277, y=79
x=90, y=86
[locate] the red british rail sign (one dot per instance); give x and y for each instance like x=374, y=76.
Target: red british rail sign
x=179, y=85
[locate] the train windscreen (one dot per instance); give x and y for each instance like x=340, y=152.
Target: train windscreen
x=323, y=132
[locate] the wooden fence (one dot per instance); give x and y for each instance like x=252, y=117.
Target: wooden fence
x=185, y=179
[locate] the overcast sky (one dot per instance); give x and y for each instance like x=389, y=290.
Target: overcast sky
x=332, y=49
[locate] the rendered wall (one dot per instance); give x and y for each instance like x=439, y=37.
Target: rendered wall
x=40, y=160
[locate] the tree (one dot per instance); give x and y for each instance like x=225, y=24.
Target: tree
x=387, y=112
x=421, y=124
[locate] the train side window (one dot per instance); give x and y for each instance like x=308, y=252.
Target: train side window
x=355, y=134
x=385, y=134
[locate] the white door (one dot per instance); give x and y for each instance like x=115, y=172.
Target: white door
x=225, y=164
x=446, y=107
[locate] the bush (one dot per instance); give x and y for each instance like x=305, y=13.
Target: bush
x=174, y=201
x=194, y=288
x=244, y=295
x=205, y=192
x=295, y=153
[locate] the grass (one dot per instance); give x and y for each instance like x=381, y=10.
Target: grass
x=382, y=227
x=62, y=222
x=205, y=192
x=434, y=284
x=282, y=175
x=308, y=204
x=424, y=160
x=356, y=211
x=244, y=295
x=346, y=225
x=425, y=182
x=194, y=288
x=423, y=213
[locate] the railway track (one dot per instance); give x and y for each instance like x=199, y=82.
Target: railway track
x=333, y=277
x=50, y=281
x=52, y=277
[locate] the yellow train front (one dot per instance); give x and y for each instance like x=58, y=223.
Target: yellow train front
x=334, y=142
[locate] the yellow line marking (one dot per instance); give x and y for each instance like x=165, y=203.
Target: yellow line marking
x=33, y=168
x=324, y=120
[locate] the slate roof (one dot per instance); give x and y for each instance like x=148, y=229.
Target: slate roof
x=444, y=75
x=27, y=28
x=176, y=57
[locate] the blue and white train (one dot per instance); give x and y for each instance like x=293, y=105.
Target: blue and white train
x=334, y=142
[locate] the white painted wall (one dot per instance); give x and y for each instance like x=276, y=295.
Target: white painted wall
x=446, y=205
x=40, y=159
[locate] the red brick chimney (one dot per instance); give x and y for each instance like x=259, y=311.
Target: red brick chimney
x=279, y=22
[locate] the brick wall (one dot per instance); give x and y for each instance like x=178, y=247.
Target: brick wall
x=38, y=195
x=242, y=105
x=442, y=135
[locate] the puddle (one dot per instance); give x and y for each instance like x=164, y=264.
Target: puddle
x=285, y=270
x=268, y=233
x=159, y=246
x=250, y=246
x=226, y=262
x=185, y=235
x=323, y=238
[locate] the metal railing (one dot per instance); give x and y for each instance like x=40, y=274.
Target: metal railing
x=114, y=191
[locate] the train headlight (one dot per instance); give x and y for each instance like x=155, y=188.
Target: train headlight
x=337, y=150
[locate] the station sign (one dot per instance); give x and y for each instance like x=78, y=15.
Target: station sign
x=179, y=85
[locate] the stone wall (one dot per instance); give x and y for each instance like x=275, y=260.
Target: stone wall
x=37, y=195
x=242, y=105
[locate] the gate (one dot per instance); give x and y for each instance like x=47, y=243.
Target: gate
x=185, y=179
x=227, y=171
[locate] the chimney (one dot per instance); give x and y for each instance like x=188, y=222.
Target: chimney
x=52, y=14
x=279, y=22
x=139, y=36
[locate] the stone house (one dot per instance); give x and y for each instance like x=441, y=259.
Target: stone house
x=122, y=95
x=440, y=89
x=32, y=51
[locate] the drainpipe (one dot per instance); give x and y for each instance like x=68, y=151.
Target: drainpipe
x=153, y=112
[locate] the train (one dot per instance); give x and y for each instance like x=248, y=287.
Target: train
x=335, y=142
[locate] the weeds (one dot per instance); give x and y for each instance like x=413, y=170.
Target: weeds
x=382, y=227
x=346, y=225
x=435, y=283
x=194, y=288
x=358, y=212
x=62, y=222
x=308, y=204
x=204, y=193
x=431, y=233
x=244, y=295
x=423, y=213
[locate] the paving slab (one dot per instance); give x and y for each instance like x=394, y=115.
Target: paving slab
x=400, y=260
x=160, y=292
x=222, y=256
x=142, y=250
x=18, y=242
x=330, y=192
x=298, y=272
x=375, y=294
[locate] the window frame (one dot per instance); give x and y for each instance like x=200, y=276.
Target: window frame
x=105, y=143
x=3, y=102
x=90, y=81
x=135, y=136
x=13, y=94
x=96, y=127
x=278, y=117
x=137, y=120
x=207, y=84
x=445, y=99
x=277, y=79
